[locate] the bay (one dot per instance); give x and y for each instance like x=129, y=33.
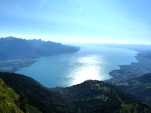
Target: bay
x=92, y=62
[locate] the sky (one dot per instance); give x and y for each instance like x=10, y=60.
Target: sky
x=77, y=21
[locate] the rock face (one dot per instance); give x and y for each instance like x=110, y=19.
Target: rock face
x=88, y=97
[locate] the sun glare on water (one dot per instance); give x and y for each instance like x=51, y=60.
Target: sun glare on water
x=89, y=69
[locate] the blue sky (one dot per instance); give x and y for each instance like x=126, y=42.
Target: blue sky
x=97, y=21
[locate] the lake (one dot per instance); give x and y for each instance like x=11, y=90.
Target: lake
x=93, y=62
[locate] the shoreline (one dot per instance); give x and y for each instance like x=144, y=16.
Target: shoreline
x=15, y=64
x=135, y=69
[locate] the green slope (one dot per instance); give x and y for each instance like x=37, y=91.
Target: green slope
x=140, y=87
x=99, y=97
x=88, y=97
x=10, y=102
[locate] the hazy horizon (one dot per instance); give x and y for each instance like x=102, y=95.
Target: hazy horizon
x=77, y=21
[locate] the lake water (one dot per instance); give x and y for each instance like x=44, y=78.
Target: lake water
x=90, y=63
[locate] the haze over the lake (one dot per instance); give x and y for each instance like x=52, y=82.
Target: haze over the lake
x=92, y=62
x=77, y=21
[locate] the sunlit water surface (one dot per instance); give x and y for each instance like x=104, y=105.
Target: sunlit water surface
x=90, y=63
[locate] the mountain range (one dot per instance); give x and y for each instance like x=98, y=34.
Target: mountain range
x=16, y=53
x=16, y=48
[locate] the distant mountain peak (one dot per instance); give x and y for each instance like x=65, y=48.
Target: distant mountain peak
x=17, y=48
